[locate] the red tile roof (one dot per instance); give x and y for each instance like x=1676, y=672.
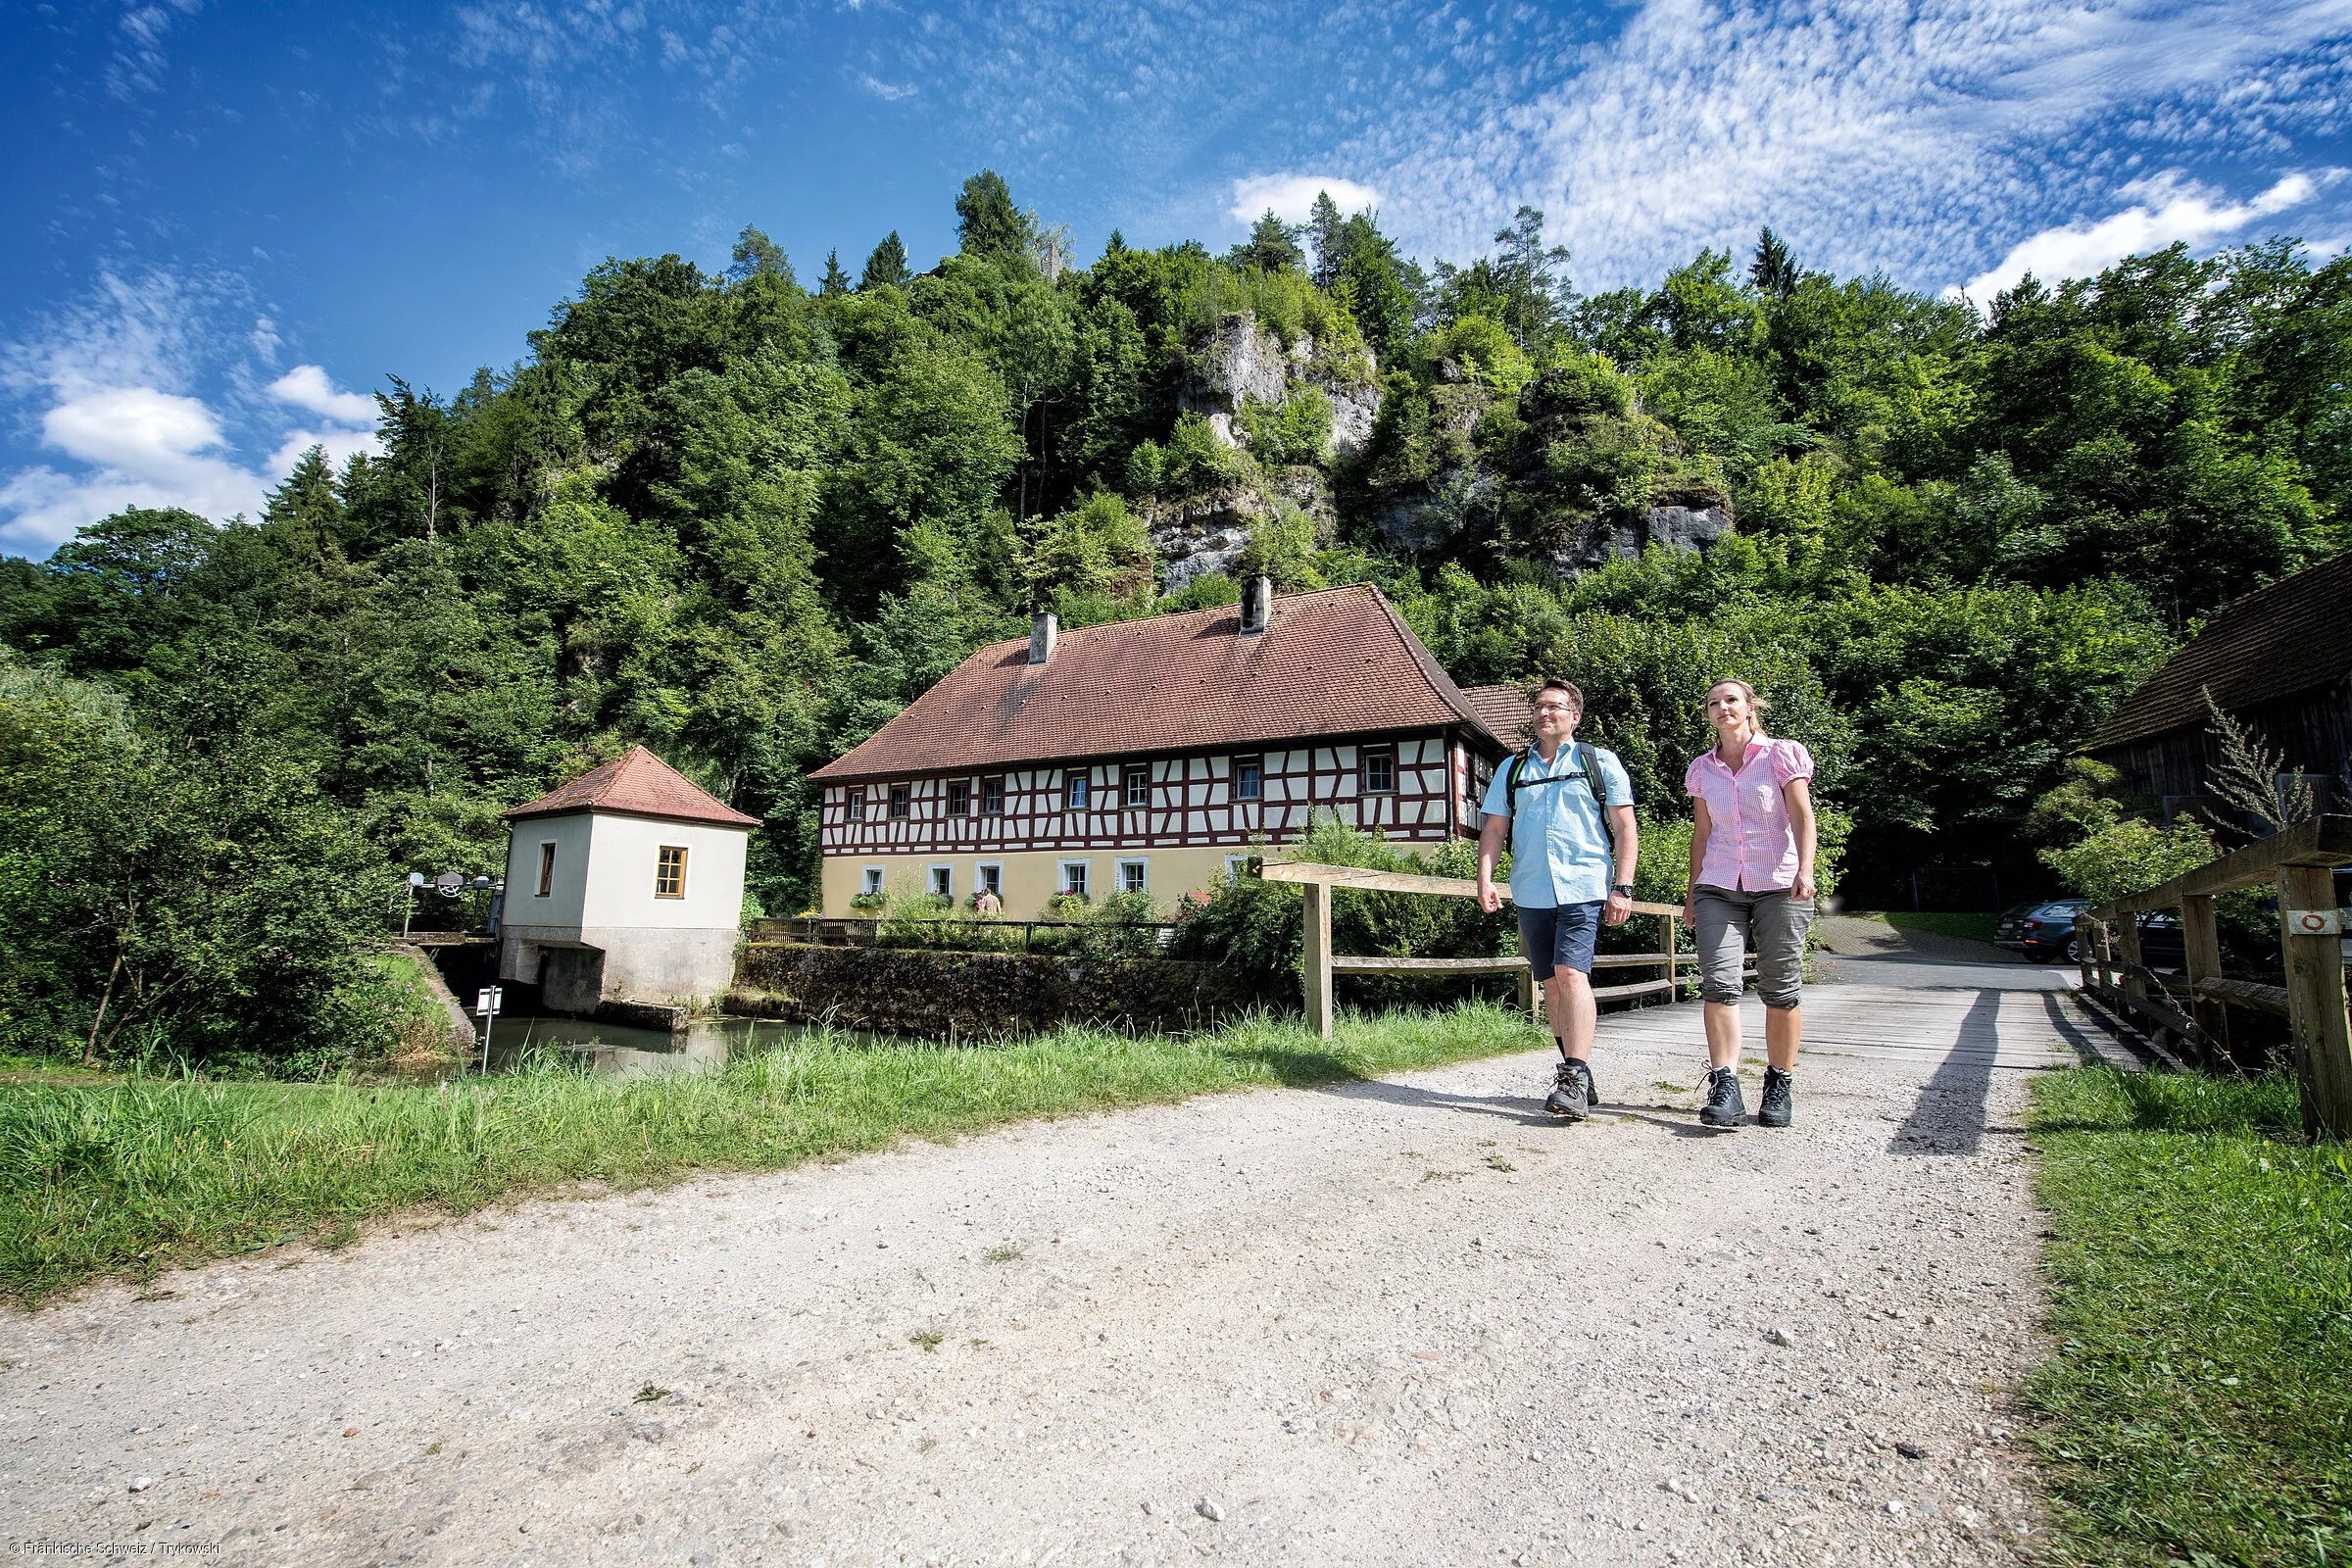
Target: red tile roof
x=636, y=784
x=1504, y=711
x=1336, y=663
x=2292, y=636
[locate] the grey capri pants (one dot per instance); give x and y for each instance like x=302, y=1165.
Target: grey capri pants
x=1778, y=921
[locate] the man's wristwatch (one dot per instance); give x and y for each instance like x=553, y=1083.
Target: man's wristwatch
x=1623, y=889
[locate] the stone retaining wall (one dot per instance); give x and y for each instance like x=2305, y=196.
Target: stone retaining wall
x=979, y=995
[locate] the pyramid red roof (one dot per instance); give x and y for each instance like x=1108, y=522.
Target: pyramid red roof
x=637, y=783
x=1336, y=663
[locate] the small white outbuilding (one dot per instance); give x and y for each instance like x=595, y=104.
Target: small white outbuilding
x=624, y=885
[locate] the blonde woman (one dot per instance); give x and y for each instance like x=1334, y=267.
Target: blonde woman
x=1753, y=843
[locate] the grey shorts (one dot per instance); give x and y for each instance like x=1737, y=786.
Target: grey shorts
x=1774, y=919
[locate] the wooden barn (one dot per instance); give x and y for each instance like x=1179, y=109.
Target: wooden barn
x=1147, y=756
x=2278, y=660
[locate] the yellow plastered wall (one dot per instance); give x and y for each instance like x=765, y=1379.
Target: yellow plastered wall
x=1029, y=877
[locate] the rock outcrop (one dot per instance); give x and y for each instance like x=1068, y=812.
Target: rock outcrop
x=1690, y=519
x=1201, y=535
x=1240, y=361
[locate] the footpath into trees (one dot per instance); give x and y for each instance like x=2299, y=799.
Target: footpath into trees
x=1401, y=1321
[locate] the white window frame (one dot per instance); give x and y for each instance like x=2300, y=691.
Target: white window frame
x=1127, y=786
x=943, y=881
x=869, y=879
x=1233, y=783
x=990, y=878
x=852, y=804
x=1143, y=873
x=966, y=785
x=1365, y=756
x=1061, y=877
x=1078, y=789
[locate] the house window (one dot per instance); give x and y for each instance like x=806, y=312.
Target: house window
x=1378, y=765
x=1138, y=785
x=959, y=798
x=991, y=878
x=992, y=797
x=669, y=872
x=1237, y=866
x=1248, y=777
x=943, y=881
x=1074, y=791
x=854, y=802
x=902, y=800
x=1130, y=876
x=1073, y=877
x=547, y=869
x=870, y=880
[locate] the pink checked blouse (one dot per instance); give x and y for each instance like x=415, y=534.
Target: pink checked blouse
x=1752, y=847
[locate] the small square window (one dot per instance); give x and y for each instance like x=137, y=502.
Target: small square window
x=1379, y=769
x=1076, y=789
x=1073, y=877
x=943, y=881
x=992, y=797
x=1138, y=785
x=854, y=802
x=547, y=869
x=670, y=872
x=870, y=880
x=1130, y=876
x=902, y=800
x=959, y=798
x=1248, y=777
x=991, y=878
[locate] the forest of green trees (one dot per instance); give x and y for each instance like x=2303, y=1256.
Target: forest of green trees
x=744, y=521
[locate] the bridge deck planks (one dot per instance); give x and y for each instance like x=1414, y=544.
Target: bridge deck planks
x=2009, y=1029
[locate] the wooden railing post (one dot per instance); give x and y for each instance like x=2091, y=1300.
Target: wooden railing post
x=1527, y=991
x=2201, y=956
x=2135, y=983
x=1668, y=923
x=1316, y=959
x=2086, y=950
x=2315, y=998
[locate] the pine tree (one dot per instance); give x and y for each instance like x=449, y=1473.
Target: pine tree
x=758, y=256
x=305, y=513
x=1272, y=246
x=834, y=281
x=886, y=267
x=986, y=221
x=1774, y=271
x=1327, y=229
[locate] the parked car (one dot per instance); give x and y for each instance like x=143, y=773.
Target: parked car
x=2042, y=930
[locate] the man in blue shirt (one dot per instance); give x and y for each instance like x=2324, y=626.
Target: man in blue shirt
x=1549, y=801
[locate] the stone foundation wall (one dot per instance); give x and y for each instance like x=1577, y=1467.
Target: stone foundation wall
x=979, y=995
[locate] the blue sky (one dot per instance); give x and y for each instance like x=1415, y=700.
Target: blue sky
x=231, y=221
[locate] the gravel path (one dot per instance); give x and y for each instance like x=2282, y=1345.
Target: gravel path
x=1412, y=1322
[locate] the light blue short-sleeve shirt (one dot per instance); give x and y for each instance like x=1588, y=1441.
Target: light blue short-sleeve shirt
x=1559, y=835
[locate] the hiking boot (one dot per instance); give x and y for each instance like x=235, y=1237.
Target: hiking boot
x=1571, y=1094
x=1726, y=1106
x=1780, y=1098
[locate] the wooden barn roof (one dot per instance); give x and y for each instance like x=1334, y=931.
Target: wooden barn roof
x=2292, y=637
x=1337, y=663
x=637, y=783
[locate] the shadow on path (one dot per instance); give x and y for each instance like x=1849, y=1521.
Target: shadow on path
x=1949, y=1115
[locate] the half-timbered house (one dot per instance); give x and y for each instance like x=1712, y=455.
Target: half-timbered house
x=1148, y=756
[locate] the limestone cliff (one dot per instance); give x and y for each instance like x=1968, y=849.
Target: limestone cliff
x=1238, y=361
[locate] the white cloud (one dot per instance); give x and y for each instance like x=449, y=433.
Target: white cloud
x=1291, y=196
x=115, y=376
x=1918, y=137
x=306, y=386
x=2171, y=209
x=887, y=91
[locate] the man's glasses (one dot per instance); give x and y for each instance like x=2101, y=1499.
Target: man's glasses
x=1554, y=708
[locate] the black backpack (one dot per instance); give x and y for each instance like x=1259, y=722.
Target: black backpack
x=1587, y=758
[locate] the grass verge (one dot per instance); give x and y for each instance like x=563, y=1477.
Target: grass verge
x=1976, y=927
x=139, y=1174
x=2198, y=1407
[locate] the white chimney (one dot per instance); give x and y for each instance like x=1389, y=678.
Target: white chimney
x=1041, y=636
x=1257, y=602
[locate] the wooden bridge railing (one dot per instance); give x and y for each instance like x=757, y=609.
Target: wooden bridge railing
x=1319, y=963
x=2301, y=862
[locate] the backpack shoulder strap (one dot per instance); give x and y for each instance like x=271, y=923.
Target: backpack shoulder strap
x=1587, y=758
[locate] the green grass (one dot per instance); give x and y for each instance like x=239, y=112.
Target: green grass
x=2198, y=1408
x=138, y=1174
x=1976, y=927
